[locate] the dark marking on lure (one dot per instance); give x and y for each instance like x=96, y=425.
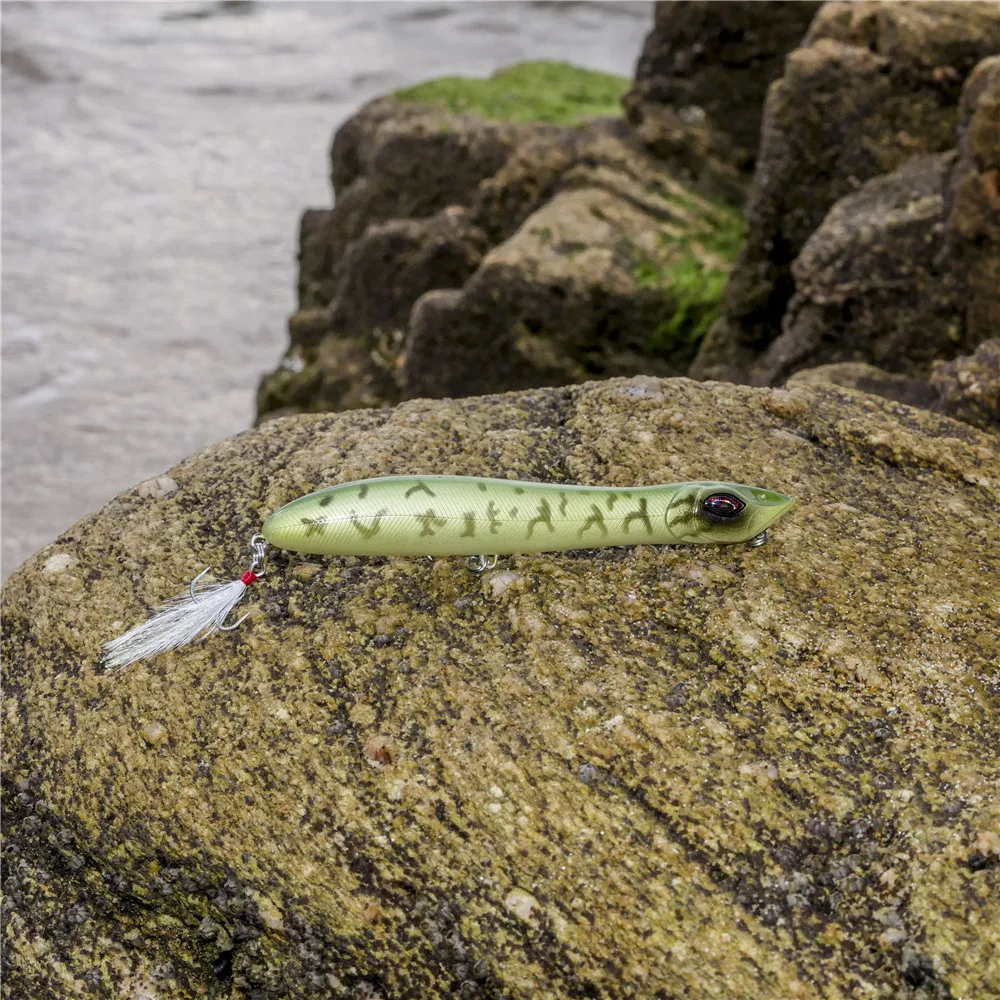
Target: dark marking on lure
x=596, y=520
x=512, y=513
x=483, y=487
x=562, y=504
x=544, y=517
x=362, y=491
x=611, y=499
x=519, y=489
x=639, y=515
x=679, y=516
x=470, y=524
x=326, y=500
x=370, y=530
x=314, y=526
x=416, y=489
x=429, y=521
x=491, y=512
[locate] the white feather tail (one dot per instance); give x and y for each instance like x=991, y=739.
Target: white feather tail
x=176, y=623
x=193, y=615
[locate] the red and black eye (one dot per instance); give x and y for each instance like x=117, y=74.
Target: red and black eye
x=723, y=507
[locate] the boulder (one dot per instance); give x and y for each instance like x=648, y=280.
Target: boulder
x=870, y=285
x=349, y=350
x=591, y=283
x=906, y=271
x=699, y=88
x=873, y=85
x=972, y=204
x=516, y=253
x=966, y=388
x=716, y=772
x=394, y=160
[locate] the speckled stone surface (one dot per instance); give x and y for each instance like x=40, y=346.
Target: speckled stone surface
x=678, y=772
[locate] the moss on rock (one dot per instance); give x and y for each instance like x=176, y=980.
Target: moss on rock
x=692, y=280
x=542, y=91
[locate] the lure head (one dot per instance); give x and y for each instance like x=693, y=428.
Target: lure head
x=724, y=513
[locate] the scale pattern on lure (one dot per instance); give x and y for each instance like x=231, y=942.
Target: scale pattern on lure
x=465, y=515
x=462, y=515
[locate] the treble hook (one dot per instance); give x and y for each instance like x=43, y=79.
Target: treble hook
x=236, y=624
x=258, y=567
x=479, y=564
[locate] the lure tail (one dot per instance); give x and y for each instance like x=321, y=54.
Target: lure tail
x=185, y=618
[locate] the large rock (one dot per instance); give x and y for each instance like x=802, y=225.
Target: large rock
x=394, y=160
x=700, y=85
x=873, y=85
x=966, y=388
x=348, y=351
x=724, y=773
x=869, y=285
x=868, y=378
x=591, y=283
x=514, y=254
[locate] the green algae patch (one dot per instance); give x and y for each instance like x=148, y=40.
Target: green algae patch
x=543, y=91
x=691, y=272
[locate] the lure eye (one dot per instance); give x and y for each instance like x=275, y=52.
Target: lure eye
x=724, y=505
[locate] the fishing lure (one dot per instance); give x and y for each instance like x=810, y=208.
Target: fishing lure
x=462, y=516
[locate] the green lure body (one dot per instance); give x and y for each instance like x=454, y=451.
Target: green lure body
x=460, y=516
x=466, y=515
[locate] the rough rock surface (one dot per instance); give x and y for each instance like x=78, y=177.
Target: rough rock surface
x=870, y=285
x=701, y=81
x=514, y=256
x=972, y=203
x=868, y=378
x=969, y=387
x=723, y=773
x=873, y=85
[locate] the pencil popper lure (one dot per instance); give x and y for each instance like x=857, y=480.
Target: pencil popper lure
x=461, y=516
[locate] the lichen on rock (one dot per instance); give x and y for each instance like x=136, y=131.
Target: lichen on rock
x=716, y=772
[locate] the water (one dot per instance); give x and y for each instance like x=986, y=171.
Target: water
x=156, y=159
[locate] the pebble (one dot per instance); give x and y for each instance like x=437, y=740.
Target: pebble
x=522, y=904
x=157, y=488
x=153, y=733
x=57, y=563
